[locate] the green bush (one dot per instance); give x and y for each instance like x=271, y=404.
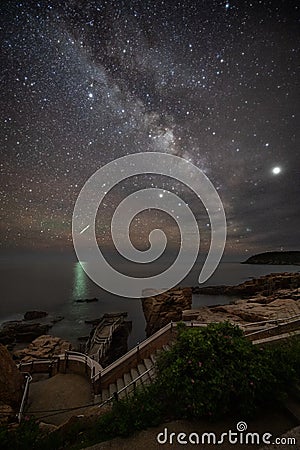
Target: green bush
x=212, y=371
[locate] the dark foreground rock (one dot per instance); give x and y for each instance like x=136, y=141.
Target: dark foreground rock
x=23, y=331
x=18, y=331
x=119, y=343
x=87, y=300
x=33, y=315
x=161, y=309
x=11, y=380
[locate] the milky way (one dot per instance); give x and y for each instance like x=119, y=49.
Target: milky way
x=85, y=82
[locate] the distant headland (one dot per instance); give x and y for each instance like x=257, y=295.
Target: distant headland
x=275, y=258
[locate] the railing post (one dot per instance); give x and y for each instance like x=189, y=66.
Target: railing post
x=66, y=361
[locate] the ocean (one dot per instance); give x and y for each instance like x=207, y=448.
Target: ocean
x=54, y=285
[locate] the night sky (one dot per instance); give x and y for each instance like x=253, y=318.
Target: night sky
x=85, y=82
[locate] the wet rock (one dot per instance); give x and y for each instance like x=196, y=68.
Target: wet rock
x=19, y=331
x=87, y=300
x=33, y=315
x=23, y=331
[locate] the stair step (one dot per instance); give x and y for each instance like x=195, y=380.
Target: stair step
x=104, y=395
x=148, y=363
x=97, y=399
x=112, y=389
x=134, y=375
x=153, y=358
x=145, y=378
x=141, y=368
x=127, y=378
x=120, y=384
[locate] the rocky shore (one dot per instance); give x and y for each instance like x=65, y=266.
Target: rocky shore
x=273, y=296
x=34, y=324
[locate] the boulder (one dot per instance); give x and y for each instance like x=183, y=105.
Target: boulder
x=19, y=331
x=87, y=300
x=43, y=347
x=28, y=329
x=33, y=315
x=11, y=380
x=163, y=308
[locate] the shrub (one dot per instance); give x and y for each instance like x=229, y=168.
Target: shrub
x=212, y=371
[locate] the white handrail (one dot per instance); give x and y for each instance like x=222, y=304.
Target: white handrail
x=270, y=321
x=28, y=380
x=70, y=354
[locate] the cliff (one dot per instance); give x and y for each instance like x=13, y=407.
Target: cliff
x=161, y=309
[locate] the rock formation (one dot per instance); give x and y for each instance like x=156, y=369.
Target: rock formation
x=33, y=315
x=161, y=309
x=265, y=285
x=11, y=381
x=119, y=343
x=271, y=297
x=43, y=347
x=19, y=331
x=28, y=329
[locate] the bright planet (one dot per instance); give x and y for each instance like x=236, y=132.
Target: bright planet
x=276, y=170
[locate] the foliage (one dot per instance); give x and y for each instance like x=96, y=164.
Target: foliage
x=23, y=437
x=215, y=371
